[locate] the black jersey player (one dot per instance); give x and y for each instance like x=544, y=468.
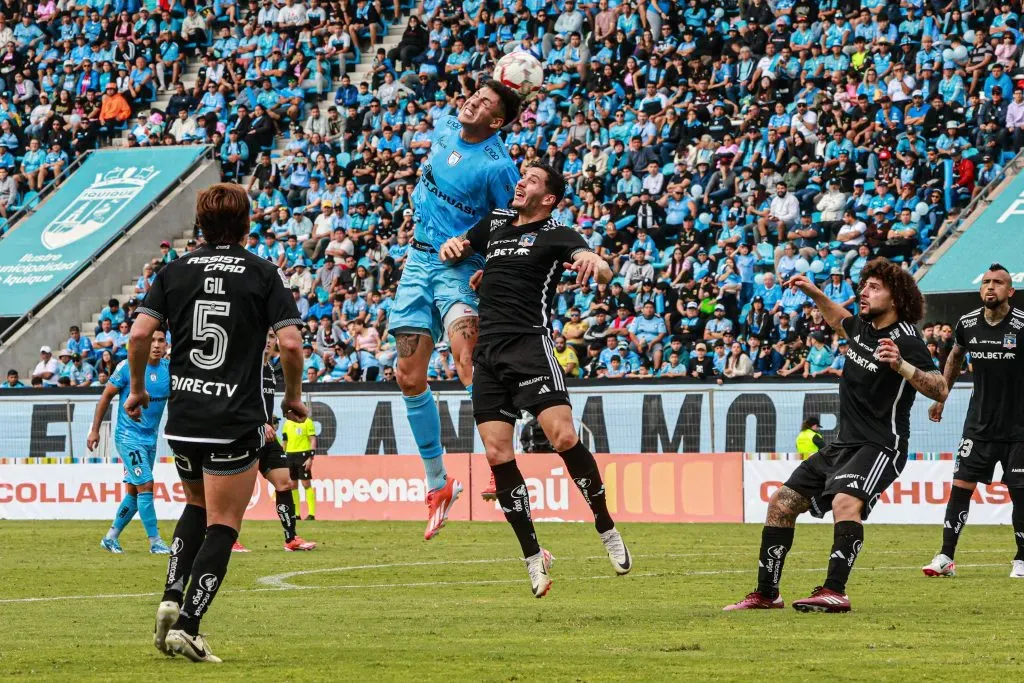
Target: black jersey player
x=887, y=363
x=514, y=366
x=994, y=428
x=274, y=465
x=218, y=303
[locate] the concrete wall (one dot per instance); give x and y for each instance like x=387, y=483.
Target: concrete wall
x=91, y=290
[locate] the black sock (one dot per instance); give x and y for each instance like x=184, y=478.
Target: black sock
x=515, y=503
x=286, y=513
x=775, y=544
x=583, y=470
x=188, y=537
x=1017, y=517
x=956, y=518
x=848, y=539
x=208, y=571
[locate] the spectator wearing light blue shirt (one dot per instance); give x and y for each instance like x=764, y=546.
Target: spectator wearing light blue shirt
x=646, y=333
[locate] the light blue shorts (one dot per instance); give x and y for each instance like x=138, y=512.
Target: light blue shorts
x=429, y=290
x=138, y=462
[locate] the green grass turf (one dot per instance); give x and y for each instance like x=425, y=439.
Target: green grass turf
x=460, y=608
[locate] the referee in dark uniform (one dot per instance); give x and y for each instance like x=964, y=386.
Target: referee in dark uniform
x=887, y=363
x=514, y=366
x=218, y=303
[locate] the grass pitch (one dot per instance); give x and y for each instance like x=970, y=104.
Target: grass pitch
x=375, y=602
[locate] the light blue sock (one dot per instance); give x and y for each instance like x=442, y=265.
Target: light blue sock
x=147, y=513
x=426, y=429
x=125, y=511
x=469, y=390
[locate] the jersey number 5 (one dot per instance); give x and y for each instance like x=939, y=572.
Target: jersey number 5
x=203, y=331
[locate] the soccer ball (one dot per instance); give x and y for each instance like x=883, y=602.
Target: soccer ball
x=522, y=72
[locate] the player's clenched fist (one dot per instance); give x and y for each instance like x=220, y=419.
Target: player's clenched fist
x=455, y=249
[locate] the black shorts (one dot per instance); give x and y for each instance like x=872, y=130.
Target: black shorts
x=194, y=458
x=512, y=374
x=863, y=471
x=300, y=466
x=272, y=457
x=976, y=461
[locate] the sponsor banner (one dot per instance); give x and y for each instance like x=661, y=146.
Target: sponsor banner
x=918, y=497
x=80, y=491
x=640, y=488
x=369, y=488
x=102, y=198
x=373, y=487
x=668, y=487
x=640, y=417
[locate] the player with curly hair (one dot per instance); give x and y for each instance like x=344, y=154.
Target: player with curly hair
x=887, y=363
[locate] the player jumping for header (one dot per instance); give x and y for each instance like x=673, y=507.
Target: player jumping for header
x=515, y=368
x=468, y=174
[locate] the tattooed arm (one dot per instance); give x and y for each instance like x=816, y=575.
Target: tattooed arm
x=954, y=363
x=930, y=383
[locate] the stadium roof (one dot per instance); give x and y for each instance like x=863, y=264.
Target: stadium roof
x=997, y=235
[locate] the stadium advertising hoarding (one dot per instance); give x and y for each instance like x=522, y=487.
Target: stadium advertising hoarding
x=995, y=235
x=655, y=487
x=100, y=200
x=640, y=488
x=677, y=456
x=918, y=497
x=620, y=418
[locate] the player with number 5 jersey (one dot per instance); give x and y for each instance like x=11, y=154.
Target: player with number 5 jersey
x=218, y=303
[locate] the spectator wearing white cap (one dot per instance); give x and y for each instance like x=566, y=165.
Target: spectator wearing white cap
x=47, y=369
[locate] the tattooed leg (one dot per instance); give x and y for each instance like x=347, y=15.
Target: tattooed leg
x=463, y=333
x=784, y=507
x=413, y=358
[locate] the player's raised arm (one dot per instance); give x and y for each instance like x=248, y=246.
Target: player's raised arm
x=830, y=310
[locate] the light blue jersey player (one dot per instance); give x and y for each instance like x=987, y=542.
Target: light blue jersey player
x=467, y=175
x=136, y=444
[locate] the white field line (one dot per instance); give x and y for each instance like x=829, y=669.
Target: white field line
x=279, y=582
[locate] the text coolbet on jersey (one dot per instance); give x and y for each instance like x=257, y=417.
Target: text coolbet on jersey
x=524, y=264
x=996, y=410
x=874, y=399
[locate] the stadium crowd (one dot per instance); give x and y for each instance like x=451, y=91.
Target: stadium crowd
x=712, y=150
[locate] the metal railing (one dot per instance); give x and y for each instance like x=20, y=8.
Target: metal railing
x=956, y=226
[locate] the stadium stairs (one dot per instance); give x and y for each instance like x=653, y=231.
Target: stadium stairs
x=360, y=73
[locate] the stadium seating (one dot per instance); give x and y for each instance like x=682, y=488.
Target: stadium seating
x=722, y=101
